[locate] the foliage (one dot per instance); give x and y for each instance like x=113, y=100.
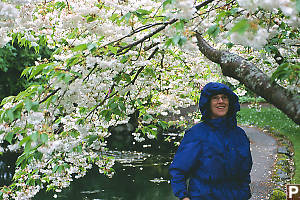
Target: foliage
x=13, y=60
x=251, y=99
x=115, y=58
x=278, y=195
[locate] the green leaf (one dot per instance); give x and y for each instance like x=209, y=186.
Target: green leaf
x=78, y=148
x=73, y=60
x=17, y=110
x=66, y=78
x=143, y=12
x=92, y=47
x=50, y=100
x=44, y=138
x=25, y=139
x=213, y=31
x=113, y=49
x=20, y=159
x=166, y=2
x=80, y=47
x=127, y=17
x=241, y=26
x=40, y=89
x=74, y=133
x=36, y=70
x=28, y=104
x=58, y=51
x=179, y=25
x=179, y=40
x=35, y=106
x=106, y=114
x=10, y=115
x=114, y=17
x=35, y=136
x=163, y=124
x=60, y=169
x=60, y=5
x=139, y=102
x=92, y=138
x=2, y=116
x=27, y=148
x=127, y=77
x=55, y=168
x=26, y=71
x=124, y=59
x=7, y=100
x=298, y=5
x=168, y=42
x=9, y=136
x=80, y=121
x=38, y=155
x=90, y=19
x=122, y=106
x=113, y=106
x=176, y=39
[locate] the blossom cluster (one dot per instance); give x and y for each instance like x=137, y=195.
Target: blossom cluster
x=288, y=8
x=181, y=9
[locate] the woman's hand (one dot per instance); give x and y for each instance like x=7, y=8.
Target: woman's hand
x=186, y=198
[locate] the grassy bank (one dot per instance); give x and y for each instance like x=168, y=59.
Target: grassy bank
x=275, y=119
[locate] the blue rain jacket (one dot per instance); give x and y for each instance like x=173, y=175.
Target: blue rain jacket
x=213, y=161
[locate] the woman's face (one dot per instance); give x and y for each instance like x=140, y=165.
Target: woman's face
x=219, y=105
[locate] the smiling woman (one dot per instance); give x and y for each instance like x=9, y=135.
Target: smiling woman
x=214, y=156
x=219, y=105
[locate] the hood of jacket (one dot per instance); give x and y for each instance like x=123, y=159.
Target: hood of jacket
x=214, y=88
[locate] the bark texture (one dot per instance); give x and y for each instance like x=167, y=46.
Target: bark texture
x=252, y=77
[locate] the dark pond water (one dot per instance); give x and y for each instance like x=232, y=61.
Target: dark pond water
x=7, y=166
x=138, y=177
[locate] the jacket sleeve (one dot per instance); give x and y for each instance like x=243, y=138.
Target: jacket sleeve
x=246, y=164
x=183, y=162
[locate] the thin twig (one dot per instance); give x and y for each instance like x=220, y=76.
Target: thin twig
x=203, y=4
x=132, y=33
x=142, y=68
x=148, y=36
x=49, y=95
x=139, y=54
x=107, y=96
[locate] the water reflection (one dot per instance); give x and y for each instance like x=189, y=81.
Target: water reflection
x=138, y=177
x=7, y=168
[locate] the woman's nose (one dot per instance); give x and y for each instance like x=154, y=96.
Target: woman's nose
x=220, y=100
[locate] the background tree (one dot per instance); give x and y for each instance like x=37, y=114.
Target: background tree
x=115, y=58
x=13, y=60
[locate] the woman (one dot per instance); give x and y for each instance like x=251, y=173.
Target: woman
x=213, y=161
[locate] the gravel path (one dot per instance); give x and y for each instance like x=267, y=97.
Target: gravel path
x=263, y=149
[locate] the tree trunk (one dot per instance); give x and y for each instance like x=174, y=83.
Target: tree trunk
x=247, y=73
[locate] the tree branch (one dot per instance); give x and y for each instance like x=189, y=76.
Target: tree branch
x=203, y=4
x=211, y=53
x=49, y=95
x=147, y=36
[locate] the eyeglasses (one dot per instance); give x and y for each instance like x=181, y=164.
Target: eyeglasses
x=216, y=98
